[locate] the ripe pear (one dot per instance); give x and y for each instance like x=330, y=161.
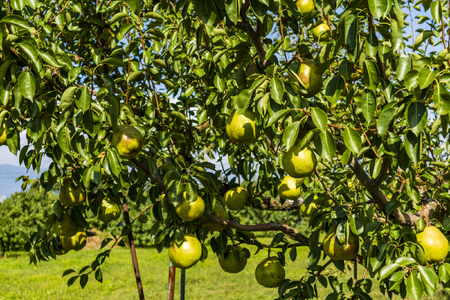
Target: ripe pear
x=187, y=254
x=289, y=188
x=434, y=244
x=228, y=261
x=65, y=227
x=242, y=128
x=190, y=211
x=128, y=141
x=319, y=29
x=3, y=133
x=270, y=272
x=311, y=78
x=109, y=211
x=76, y=242
x=305, y=6
x=338, y=251
x=71, y=195
x=298, y=162
x=236, y=198
x=219, y=211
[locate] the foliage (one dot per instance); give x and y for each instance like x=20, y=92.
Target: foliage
x=70, y=74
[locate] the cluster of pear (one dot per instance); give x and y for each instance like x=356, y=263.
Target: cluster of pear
x=3, y=133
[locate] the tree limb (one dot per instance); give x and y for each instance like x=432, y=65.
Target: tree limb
x=294, y=234
x=276, y=205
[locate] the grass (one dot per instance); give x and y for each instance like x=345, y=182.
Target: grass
x=18, y=280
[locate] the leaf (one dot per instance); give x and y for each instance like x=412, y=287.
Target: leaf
x=67, y=272
x=135, y=6
x=64, y=139
x=403, y=67
x=414, y=287
x=119, y=16
x=49, y=58
x=436, y=11
x=368, y=105
x=334, y=89
x=293, y=253
x=67, y=98
x=384, y=120
x=31, y=53
x=426, y=77
x=83, y=280
x=371, y=45
x=405, y=261
x=206, y=10
x=233, y=9
x=379, y=8
x=388, y=270
x=278, y=116
x=114, y=162
x=429, y=280
x=371, y=74
x=352, y=140
x=413, y=146
x=412, y=79
x=319, y=118
x=84, y=102
x=416, y=117
x=113, y=61
x=391, y=206
x=290, y=135
x=16, y=20
x=356, y=224
x=328, y=145
x=99, y=275
x=124, y=30
x=277, y=90
x=27, y=85
x=441, y=97
x=423, y=36
x=243, y=101
x=350, y=31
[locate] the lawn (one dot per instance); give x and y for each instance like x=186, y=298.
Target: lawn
x=18, y=280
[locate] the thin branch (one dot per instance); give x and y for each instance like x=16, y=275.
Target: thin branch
x=276, y=205
x=157, y=177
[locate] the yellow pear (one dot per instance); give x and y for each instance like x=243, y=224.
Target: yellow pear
x=128, y=141
x=187, y=254
x=228, y=261
x=65, y=227
x=308, y=210
x=289, y=188
x=190, y=211
x=109, y=211
x=338, y=251
x=298, y=162
x=305, y=6
x=3, y=133
x=311, y=78
x=322, y=31
x=236, y=198
x=242, y=128
x=434, y=244
x=71, y=195
x=270, y=272
x=76, y=242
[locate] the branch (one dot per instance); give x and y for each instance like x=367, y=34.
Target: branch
x=275, y=204
x=157, y=177
x=294, y=234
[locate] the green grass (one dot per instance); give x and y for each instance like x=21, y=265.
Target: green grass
x=18, y=280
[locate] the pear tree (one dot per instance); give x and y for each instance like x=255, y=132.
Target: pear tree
x=149, y=105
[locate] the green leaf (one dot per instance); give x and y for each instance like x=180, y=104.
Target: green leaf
x=5, y=93
x=16, y=20
x=423, y=36
x=243, y=101
x=328, y=145
x=31, y=53
x=405, y=261
x=67, y=98
x=290, y=135
x=352, y=140
x=114, y=162
x=416, y=117
x=371, y=74
x=368, y=105
x=429, y=280
x=380, y=8
x=27, y=85
x=441, y=97
x=3, y=69
x=388, y=270
x=233, y=9
x=372, y=45
x=319, y=118
x=356, y=224
x=426, y=77
x=278, y=116
x=436, y=11
x=391, y=206
x=384, y=120
x=135, y=6
x=206, y=10
x=84, y=102
x=48, y=57
x=277, y=90
x=293, y=253
x=350, y=31
x=403, y=67
x=413, y=146
x=113, y=61
x=135, y=75
x=64, y=139
x=414, y=287
x=124, y=30
x=412, y=79
x=99, y=275
x=117, y=17
x=334, y=89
